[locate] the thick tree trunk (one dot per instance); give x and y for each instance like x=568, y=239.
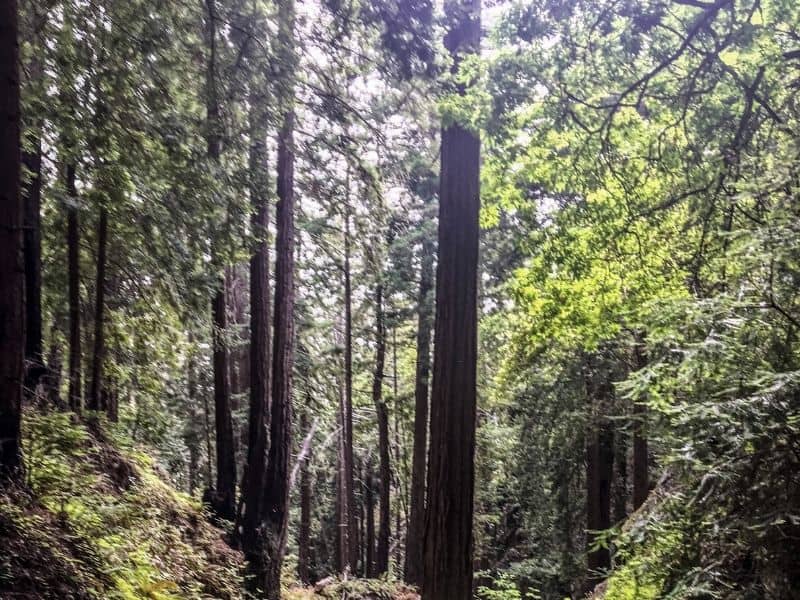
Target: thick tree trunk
x=447, y=571
x=416, y=524
x=348, y=378
x=276, y=500
x=73, y=292
x=304, y=536
x=384, y=518
x=12, y=280
x=641, y=483
x=258, y=424
x=99, y=310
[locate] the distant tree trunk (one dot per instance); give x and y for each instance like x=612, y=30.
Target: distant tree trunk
x=348, y=377
x=416, y=524
x=276, y=484
x=342, y=512
x=12, y=280
x=599, y=474
x=384, y=518
x=99, y=339
x=369, y=536
x=225, y=497
x=447, y=571
x=641, y=483
x=304, y=536
x=73, y=285
x=276, y=510
x=32, y=242
x=258, y=423
x=620, y=477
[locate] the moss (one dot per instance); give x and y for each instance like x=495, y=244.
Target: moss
x=96, y=521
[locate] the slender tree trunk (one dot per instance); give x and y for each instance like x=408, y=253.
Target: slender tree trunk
x=258, y=428
x=32, y=241
x=384, y=518
x=276, y=500
x=304, y=536
x=348, y=377
x=369, y=540
x=73, y=292
x=447, y=571
x=342, y=510
x=620, y=477
x=641, y=483
x=12, y=280
x=225, y=497
x=31, y=200
x=599, y=475
x=416, y=524
x=99, y=339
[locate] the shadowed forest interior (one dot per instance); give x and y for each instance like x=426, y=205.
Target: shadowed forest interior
x=400, y=299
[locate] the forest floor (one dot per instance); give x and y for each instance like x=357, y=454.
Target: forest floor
x=97, y=520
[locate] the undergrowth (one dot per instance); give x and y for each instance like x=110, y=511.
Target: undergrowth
x=95, y=521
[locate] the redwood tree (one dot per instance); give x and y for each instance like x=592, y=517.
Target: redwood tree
x=451, y=473
x=277, y=479
x=12, y=282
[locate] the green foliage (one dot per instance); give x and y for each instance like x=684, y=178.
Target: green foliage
x=110, y=520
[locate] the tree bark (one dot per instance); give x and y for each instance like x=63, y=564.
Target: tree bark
x=447, y=571
x=342, y=512
x=73, y=285
x=416, y=524
x=276, y=506
x=384, y=515
x=620, y=477
x=99, y=310
x=12, y=280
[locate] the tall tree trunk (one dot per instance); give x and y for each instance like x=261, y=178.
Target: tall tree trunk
x=304, y=536
x=641, y=483
x=416, y=524
x=348, y=378
x=276, y=500
x=599, y=474
x=384, y=518
x=447, y=571
x=276, y=506
x=99, y=309
x=258, y=423
x=12, y=280
x=73, y=285
x=225, y=497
